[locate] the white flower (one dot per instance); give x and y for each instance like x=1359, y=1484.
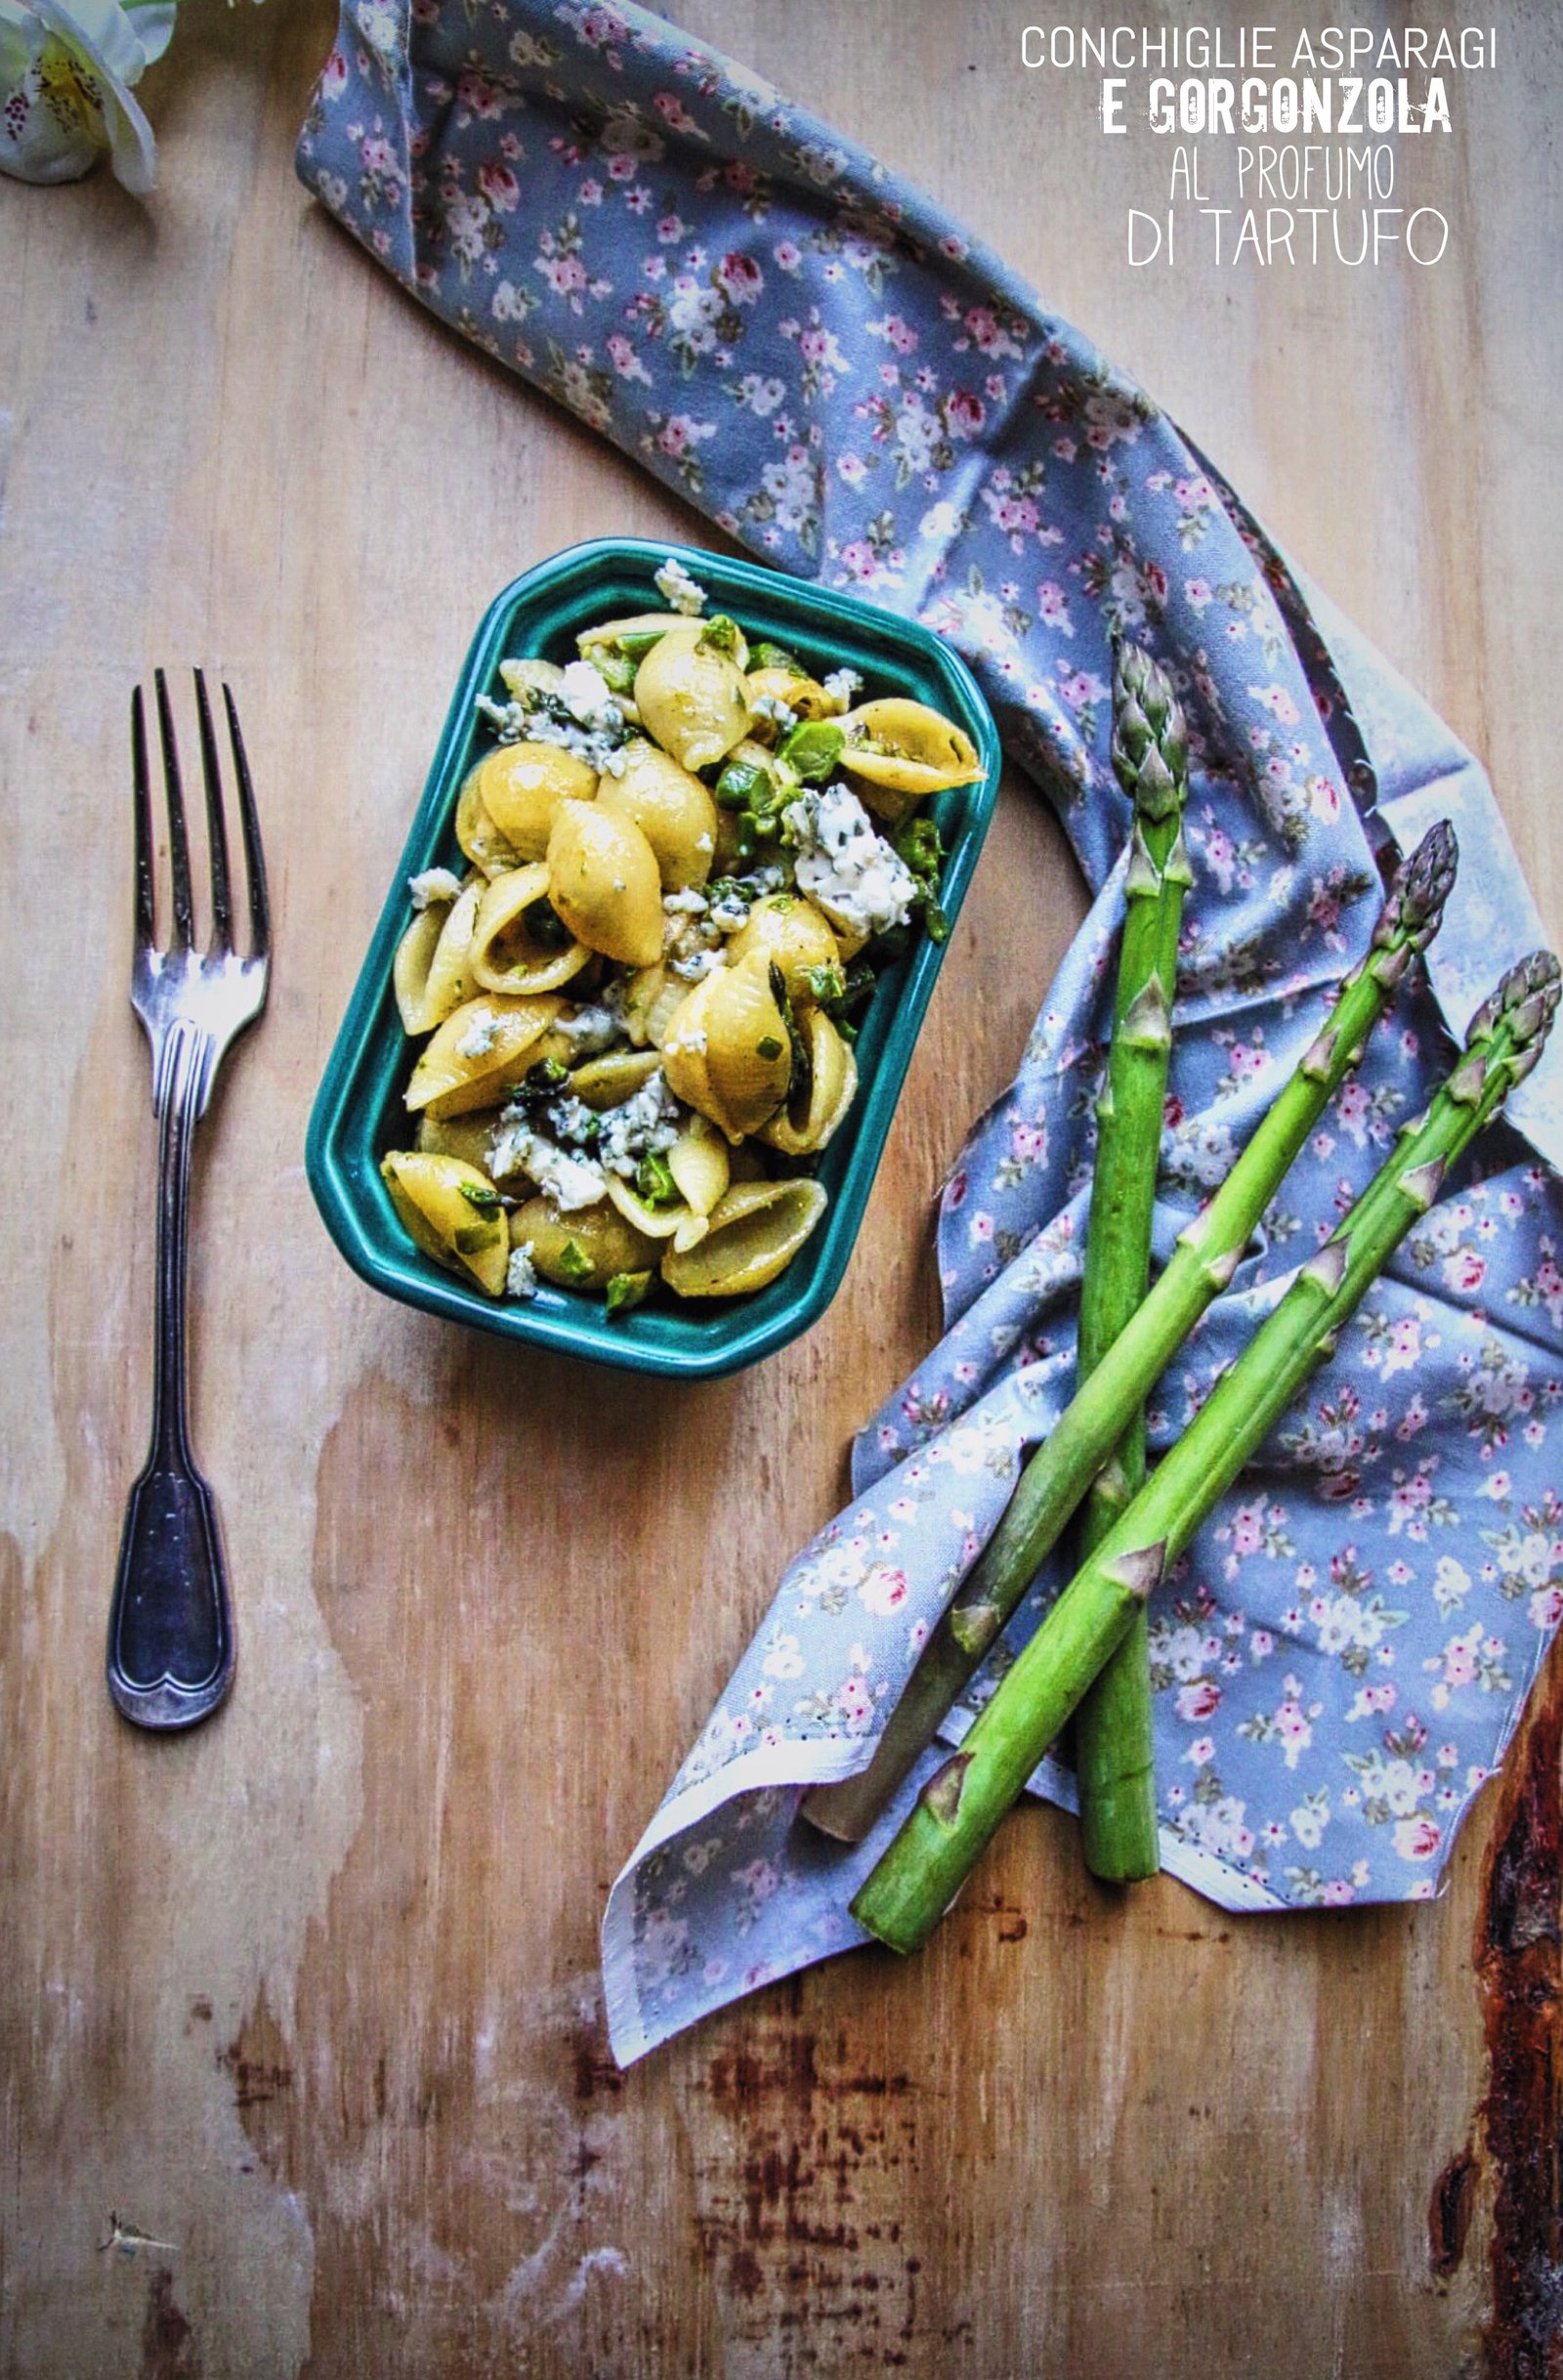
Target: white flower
x=784, y=1660
x=883, y=1591
x=67, y=68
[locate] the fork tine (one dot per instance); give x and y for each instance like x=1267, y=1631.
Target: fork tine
x=178, y=843
x=216, y=825
x=254, y=856
x=141, y=805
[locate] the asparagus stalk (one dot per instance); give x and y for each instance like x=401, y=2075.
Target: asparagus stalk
x=1201, y=1264
x=1112, y=1755
x=959, y=1808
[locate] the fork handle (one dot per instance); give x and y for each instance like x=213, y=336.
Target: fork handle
x=170, y=1623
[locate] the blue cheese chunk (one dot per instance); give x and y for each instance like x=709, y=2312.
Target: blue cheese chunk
x=647, y=1121
x=571, y=1180
x=847, y=869
x=433, y=884
x=588, y=1030
x=521, y=1276
x=678, y=590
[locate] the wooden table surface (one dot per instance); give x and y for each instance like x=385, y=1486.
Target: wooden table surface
x=311, y=1997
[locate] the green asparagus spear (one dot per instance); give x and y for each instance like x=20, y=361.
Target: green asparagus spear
x=1203, y=1263
x=959, y=1808
x=1112, y=1758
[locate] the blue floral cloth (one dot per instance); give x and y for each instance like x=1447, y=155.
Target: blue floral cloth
x=810, y=351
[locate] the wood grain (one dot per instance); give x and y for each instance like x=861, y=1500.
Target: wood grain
x=312, y=1997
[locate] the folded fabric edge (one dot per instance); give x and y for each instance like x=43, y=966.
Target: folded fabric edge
x=794, y=1767
x=791, y=1767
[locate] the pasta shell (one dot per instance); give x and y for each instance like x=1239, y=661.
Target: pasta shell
x=726, y=1050
x=657, y=1222
x=746, y=1163
x=756, y=1230
x=481, y=1049
x=584, y=1250
x=907, y=746
x=603, y=883
x=480, y=839
x=792, y=932
x=647, y=999
x=800, y=692
x=671, y=808
x=469, y=1137
x=522, y=786
x=811, y=1116
x=506, y=956
x=451, y=1210
x=609, y=1081
x=699, y=1163
x=608, y=634
x=451, y=976
x=530, y=677
x=410, y=969
x=692, y=697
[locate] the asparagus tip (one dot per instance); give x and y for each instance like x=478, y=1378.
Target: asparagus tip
x=1149, y=746
x=1527, y=998
x=1421, y=884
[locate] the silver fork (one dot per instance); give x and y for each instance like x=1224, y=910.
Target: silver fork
x=170, y=1625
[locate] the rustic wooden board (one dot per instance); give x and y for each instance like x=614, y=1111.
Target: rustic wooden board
x=311, y=1998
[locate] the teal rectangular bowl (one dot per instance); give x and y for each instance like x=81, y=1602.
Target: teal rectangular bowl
x=359, y=1113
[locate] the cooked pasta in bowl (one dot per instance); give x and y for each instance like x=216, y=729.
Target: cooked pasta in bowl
x=620, y=1062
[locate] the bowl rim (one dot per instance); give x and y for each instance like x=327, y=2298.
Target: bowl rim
x=732, y=1342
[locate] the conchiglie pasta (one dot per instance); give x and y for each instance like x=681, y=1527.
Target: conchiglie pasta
x=692, y=697
x=522, y=786
x=482, y=1048
x=410, y=969
x=607, y=1082
x=633, y=1016
x=511, y=949
x=480, y=839
x=584, y=1250
x=907, y=747
x=672, y=809
x=603, y=880
x=651, y=998
x=803, y=695
x=525, y=680
x=699, y=1163
x=633, y=635
x=727, y=1050
x=469, y=1137
x=452, y=1210
x=755, y=1232
x=820, y=1093
x=791, y=932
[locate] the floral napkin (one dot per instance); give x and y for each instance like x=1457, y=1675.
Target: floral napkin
x=809, y=350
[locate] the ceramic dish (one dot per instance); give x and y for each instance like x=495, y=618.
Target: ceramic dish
x=359, y=1113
